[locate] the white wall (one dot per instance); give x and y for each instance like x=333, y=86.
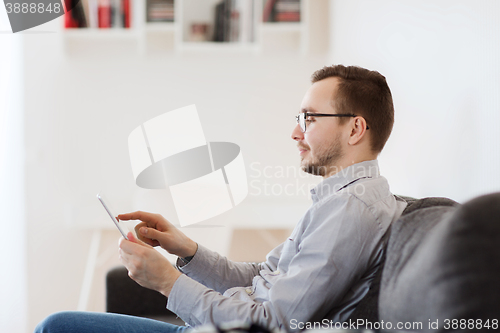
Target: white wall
x=442, y=62
x=79, y=110
x=13, y=280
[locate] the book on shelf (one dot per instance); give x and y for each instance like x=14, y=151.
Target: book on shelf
x=98, y=14
x=234, y=21
x=75, y=14
x=281, y=11
x=159, y=10
x=104, y=13
x=126, y=13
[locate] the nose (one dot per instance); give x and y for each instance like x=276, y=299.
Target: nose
x=297, y=134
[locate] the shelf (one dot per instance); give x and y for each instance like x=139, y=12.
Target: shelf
x=173, y=37
x=217, y=46
x=282, y=26
x=160, y=26
x=101, y=33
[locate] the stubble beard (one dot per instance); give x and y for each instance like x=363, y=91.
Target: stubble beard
x=326, y=161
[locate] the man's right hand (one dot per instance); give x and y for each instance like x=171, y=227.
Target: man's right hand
x=155, y=230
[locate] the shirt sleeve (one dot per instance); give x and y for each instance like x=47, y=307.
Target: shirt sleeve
x=330, y=254
x=219, y=273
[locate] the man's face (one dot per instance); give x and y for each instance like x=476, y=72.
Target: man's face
x=320, y=148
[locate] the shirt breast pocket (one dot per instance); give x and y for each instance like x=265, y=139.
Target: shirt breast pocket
x=289, y=251
x=290, y=246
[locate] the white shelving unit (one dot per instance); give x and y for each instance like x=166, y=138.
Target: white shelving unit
x=173, y=37
x=93, y=33
x=167, y=27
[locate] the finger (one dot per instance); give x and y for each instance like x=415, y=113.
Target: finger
x=150, y=242
x=120, y=241
x=151, y=233
x=126, y=258
x=123, y=257
x=129, y=265
x=149, y=218
x=128, y=247
x=132, y=245
x=141, y=237
x=131, y=237
x=138, y=226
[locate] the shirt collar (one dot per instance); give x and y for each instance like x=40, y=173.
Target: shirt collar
x=344, y=178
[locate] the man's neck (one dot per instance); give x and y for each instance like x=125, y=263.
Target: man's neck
x=347, y=162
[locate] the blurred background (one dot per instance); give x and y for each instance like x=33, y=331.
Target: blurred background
x=73, y=89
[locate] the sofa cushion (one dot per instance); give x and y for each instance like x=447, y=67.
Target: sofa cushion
x=442, y=264
x=367, y=309
x=125, y=296
x=416, y=204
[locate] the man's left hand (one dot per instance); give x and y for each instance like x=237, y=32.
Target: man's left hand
x=146, y=266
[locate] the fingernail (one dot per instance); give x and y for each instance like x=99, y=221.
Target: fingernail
x=144, y=231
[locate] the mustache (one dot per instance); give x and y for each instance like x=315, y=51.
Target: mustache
x=302, y=147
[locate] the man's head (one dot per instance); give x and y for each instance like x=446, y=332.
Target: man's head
x=331, y=143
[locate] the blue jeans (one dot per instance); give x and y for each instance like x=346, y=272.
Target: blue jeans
x=90, y=322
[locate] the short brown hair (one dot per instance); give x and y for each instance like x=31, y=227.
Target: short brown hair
x=365, y=93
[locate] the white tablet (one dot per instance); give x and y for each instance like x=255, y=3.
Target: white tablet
x=122, y=231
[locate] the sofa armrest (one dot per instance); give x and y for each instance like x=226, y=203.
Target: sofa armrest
x=125, y=296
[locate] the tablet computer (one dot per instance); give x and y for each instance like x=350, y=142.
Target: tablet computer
x=115, y=221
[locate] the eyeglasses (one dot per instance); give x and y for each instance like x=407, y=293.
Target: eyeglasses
x=301, y=118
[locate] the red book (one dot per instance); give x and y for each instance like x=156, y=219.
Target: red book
x=288, y=17
x=74, y=17
x=126, y=13
x=69, y=21
x=104, y=13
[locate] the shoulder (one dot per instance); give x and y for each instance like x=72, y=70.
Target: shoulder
x=338, y=208
x=362, y=202
x=369, y=191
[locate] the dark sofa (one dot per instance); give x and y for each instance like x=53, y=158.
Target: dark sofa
x=441, y=269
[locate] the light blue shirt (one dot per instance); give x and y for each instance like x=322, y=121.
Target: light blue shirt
x=322, y=270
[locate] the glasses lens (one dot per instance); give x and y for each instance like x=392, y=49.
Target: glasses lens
x=302, y=122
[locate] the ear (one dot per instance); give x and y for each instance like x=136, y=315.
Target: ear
x=358, y=130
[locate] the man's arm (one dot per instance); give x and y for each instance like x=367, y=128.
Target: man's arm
x=207, y=267
x=219, y=273
x=331, y=254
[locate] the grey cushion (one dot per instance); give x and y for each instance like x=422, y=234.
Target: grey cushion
x=125, y=296
x=367, y=309
x=444, y=263
x=416, y=204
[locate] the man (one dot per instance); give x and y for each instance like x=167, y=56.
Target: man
x=327, y=264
